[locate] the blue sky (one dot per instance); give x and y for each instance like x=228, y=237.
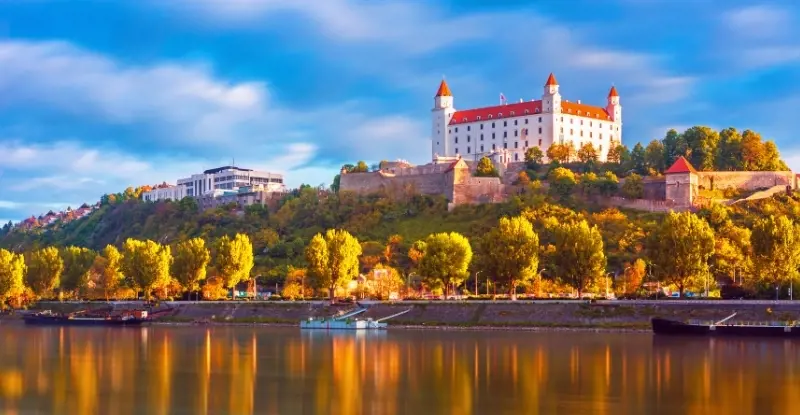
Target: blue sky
x=96, y=96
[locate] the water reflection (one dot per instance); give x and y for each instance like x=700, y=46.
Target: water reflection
x=157, y=370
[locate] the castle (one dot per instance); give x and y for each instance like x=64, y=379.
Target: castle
x=515, y=127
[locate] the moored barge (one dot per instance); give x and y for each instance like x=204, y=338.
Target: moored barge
x=47, y=317
x=723, y=328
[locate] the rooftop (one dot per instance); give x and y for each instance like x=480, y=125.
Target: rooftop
x=223, y=168
x=681, y=165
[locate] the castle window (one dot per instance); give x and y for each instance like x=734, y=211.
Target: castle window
x=456, y=140
x=505, y=134
x=581, y=123
x=540, y=130
x=579, y=112
x=456, y=150
x=581, y=135
x=571, y=121
x=526, y=120
x=469, y=128
x=492, y=136
x=505, y=123
x=540, y=142
x=516, y=133
x=490, y=117
x=512, y=113
x=464, y=119
x=505, y=145
x=527, y=112
x=570, y=131
x=601, y=147
x=562, y=119
x=492, y=123
x=600, y=125
x=449, y=131
x=516, y=144
x=516, y=156
x=468, y=150
x=538, y=110
x=562, y=130
x=481, y=149
x=456, y=129
x=590, y=123
x=590, y=134
x=611, y=127
x=515, y=122
x=481, y=137
x=500, y=115
x=468, y=139
x=526, y=144
x=494, y=147
x=601, y=136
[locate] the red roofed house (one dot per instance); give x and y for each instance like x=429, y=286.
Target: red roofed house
x=512, y=128
x=682, y=182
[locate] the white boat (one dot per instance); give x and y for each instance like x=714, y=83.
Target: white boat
x=346, y=321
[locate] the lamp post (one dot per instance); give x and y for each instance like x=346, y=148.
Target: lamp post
x=625, y=280
x=710, y=272
x=658, y=285
x=476, y=281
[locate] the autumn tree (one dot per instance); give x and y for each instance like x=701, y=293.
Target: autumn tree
x=190, y=263
x=729, y=151
x=702, y=142
x=632, y=276
x=513, y=252
x=486, y=168
x=447, y=257
x=680, y=249
x=633, y=188
x=146, y=265
x=587, y=153
x=44, y=270
x=416, y=253
x=615, y=152
x=560, y=152
x=234, y=259
x=386, y=281
x=333, y=259
x=654, y=157
x=110, y=273
x=562, y=182
x=534, y=157
x=12, y=274
x=578, y=256
x=77, y=263
x=776, y=249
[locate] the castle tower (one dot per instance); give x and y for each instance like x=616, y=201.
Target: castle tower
x=551, y=99
x=613, y=106
x=441, y=114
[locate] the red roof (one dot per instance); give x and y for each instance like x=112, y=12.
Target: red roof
x=681, y=165
x=519, y=110
x=613, y=92
x=444, y=90
x=497, y=112
x=551, y=80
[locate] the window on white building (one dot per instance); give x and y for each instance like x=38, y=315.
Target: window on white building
x=468, y=150
x=581, y=135
x=505, y=134
x=492, y=123
x=468, y=139
x=590, y=134
x=515, y=122
x=481, y=124
x=505, y=123
x=601, y=147
x=562, y=129
x=540, y=142
x=516, y=144
x=456, y=150
x=526, y=144
x=571, y=121
x=516, y=133
x=481, y=137
x=456, y=129
x=570, y=131
x=505, y=145
x=540, y=130
x=492, y=136
x=456, y=140
x=516, y=156
x=481, y=149
x=469, y=128
x=526, y=120
x=540, y=119
x=494, y=147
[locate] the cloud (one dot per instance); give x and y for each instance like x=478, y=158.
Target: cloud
x=762, y=21
x=759, y=36
x=173, y=96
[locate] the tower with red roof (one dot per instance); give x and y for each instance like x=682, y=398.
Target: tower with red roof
x=442, y=114
x=682, y=182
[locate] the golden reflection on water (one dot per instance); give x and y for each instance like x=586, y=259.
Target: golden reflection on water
x=159, y=370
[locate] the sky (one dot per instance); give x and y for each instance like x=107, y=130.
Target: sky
x=99, y=95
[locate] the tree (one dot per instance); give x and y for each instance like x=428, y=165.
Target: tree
x=360, y=167
x=513, y=252
x=615, y=152
x=633, y=188
x=416, y=253
x=729, y=151
x=654, y=156
x=560, y=153
x=703, y=144
x=234, y=259
x=562, y=181
x=190, y=263
x=578, y=256
x=638, y=159
x=447, y=257
x=486, y=168
x=587, y=153
x=44, y=270
x=77, y=263
x=12, y=274
x=534, y=157
x=632, y=276
x=386, y=281
x=680, y=249
x=674, y=147
x=110, y=273
x=146, y=265
x=752, y=151
x=523, y=179
x=776, y=248
x=333, y=259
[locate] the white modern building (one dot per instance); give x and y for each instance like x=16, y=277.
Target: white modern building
x=231, y=178
x=165, y=193
x=515, y=127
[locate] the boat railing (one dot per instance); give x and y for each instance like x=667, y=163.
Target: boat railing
x=772, y=323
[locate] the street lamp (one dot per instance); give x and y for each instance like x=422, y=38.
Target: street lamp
x=476, y=281
x=710, y=272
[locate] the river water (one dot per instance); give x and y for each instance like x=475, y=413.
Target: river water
x=243, y=370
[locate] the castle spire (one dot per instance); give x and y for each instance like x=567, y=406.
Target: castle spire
x=444, y=90
x=551, y=80
x=613, y=92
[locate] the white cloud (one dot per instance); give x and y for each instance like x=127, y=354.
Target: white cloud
x=171, y=95
x=759, y=36
x=761, y=21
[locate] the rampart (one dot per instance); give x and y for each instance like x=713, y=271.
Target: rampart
x=745, y=180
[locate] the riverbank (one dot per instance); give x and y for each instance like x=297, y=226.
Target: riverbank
x=498, y=315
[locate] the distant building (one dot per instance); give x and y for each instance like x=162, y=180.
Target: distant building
x=230, y=178
x=517, y=126
x=165, y=193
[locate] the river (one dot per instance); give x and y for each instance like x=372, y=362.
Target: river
x=244, y=370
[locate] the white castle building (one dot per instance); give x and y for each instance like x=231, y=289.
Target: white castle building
x=515, y=127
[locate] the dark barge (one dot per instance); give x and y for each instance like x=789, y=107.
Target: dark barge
x=724, y=329
x=48, y=318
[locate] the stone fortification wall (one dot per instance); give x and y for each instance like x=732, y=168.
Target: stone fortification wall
x=745, y=180
x=478, y=190
x=655, y=188
x=641, y=204
x=374, y=182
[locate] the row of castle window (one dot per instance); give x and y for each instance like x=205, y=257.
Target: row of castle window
x=525, y=132
x=571, y=121
x=505, y=146
x=527, y=112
